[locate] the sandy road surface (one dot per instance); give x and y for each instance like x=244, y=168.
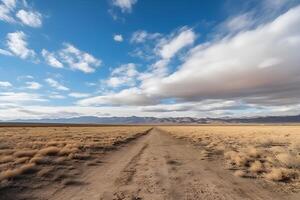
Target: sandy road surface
x=157, y=166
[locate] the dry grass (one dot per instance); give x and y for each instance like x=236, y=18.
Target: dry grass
x=268, y=152
x=13, y=173
x=240, y=173
x=280, y=174
x=56, y=151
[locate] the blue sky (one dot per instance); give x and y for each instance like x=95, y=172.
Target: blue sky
x=149, y=58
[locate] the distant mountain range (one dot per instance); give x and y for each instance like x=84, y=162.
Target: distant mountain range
x=155, y=120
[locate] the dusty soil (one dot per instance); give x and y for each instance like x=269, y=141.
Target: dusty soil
x=158, y=166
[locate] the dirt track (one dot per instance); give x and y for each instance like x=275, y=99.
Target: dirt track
x=157, y=166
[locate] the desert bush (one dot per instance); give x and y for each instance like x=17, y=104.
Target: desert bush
x=78, y=156
x=254, y=152
x=280, y=174
x=60, y=160
x=240, y=173
x=27, y=150
x=13, y=173
x=25, y=153
x=22, y=160
x=256, y=167
x=49, y=151
x=42, y=160
x=289, y=160
x=4, y=145
x=68, y=150
x=28, y=168
x=6, y=151
x=6, y=159
x=46, y=171
x=295, y=147
x=270, y=152
x=9, y=174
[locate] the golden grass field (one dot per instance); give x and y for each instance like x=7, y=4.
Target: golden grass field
x=56, y=154
x=271, y=153
x=38, y=161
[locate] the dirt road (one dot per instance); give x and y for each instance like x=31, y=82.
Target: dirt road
x=157, y=166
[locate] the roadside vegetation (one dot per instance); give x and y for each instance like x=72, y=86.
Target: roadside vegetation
x=271, y=153
x=45, y=155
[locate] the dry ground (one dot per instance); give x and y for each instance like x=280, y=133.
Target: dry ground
x=34, y=157
x=169, y=162
x=271, y=153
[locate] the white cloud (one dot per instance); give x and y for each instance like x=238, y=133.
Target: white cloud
x=17, y=44
x=51, y=59
x=12, y=11
x=20, y=97
x=33, y=85
x=124, y=5
x=29, y=18
x=53, y=83
x=5, y=84
x=79, y=95
x=56, y=96
x=255, y=69
x=168, y=48
x=239, y=22
x=125, y=75
x=141, y=36
x=118, y=38
x=5, y=52
x=6, y=8
x=9, y=3
x=132, y=96
x=260, y=62
x=77, y=59
x=203, y=106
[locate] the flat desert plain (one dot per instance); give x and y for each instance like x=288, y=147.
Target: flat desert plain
x=150, y=162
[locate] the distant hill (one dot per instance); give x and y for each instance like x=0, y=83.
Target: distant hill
x=155, y=120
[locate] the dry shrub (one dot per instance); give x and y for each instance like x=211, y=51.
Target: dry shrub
x=240, y=173
x=237, y=158
x=42, y=160
x=49, y=151
x=45, y=172
x=28, y=168
x=6, y=159
x=60, y=160
x=230, y=154
x=13, y=173
x=288, y=160
x=280, y=174
x=277, y=149
x=22, y=160
x=9, y=174
x=67, y=150
x=256, y=167
x=4, y=145
x=269, y=142
x=55, y=143
x=295, y=147
x=6, y=151
x=78, y=156
x=254, y=152
x=25, y=153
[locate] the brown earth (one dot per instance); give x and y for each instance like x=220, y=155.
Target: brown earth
x=159, y=166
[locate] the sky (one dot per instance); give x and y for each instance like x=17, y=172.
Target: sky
x=172, y=58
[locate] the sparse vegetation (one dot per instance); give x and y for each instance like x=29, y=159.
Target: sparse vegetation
x=55, y=153
x=268, y=152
